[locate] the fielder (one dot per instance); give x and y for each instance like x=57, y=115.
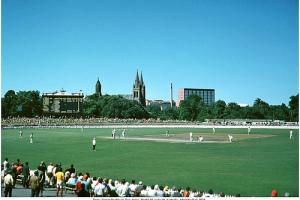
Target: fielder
x=167, y=133
x=200, y=139
x=291, y=135
x=191, y=136
x=230, y=138
x=123, y=133
x=31, y=138
x=249, y=130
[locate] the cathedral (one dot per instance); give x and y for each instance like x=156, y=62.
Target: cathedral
x=98, y=88
x=139, y=90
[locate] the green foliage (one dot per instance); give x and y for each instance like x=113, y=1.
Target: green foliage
x=294, y=105
x=29, y=102
x=114, y=106
x=193, y=108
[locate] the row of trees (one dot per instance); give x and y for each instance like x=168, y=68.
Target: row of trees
x=114, y=106
x=30, y=103
x=194, y=109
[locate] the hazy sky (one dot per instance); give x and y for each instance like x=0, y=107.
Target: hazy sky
x=243, y=49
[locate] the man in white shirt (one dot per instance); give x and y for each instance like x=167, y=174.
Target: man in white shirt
x=291, y=134
x=191, y=136
x=230, y=138
x=8, y=184
x=94, y=144
x=249, y=130
x=99, y=189
x=5, y=165
x=132, y=186
x=122, y=190
x=152, y=191
x=50, y=173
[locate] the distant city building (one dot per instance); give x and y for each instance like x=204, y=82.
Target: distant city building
x=62, y=104
x=139, y=90
x=127, y=96
x=207, y=95
x=161, y=103
x=98, y=88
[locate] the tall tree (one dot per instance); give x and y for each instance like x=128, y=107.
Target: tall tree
x=294, y=106
x=9, y=104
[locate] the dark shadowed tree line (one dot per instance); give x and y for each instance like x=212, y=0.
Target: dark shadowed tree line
x=30, y=103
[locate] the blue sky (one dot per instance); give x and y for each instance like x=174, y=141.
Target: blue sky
x=243, y=49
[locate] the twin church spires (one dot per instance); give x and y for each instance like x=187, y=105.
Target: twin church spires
x=139, y=89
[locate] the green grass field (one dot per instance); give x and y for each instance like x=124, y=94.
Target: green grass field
x=251, y=165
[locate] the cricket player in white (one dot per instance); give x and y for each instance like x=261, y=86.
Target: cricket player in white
x=200, y=139
x=214, y=129
x=191, y=136
x=249, y=130
x=123, y=133
x=291, y=134
x=230, y=138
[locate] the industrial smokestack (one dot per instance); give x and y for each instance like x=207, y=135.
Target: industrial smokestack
x=171, y=101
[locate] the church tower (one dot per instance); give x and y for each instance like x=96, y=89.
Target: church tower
x=139, y=89
x=98, y=88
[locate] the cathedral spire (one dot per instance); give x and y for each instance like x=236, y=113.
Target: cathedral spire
x=98, y=88
x=141, y=80
x=137, y=81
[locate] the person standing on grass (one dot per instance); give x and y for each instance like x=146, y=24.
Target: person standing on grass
x=230, y=138
x=167, y=133
x=94, y=144
x=21, y=133
x=191, y=136
x=291, y=135
x=214, y=129
x=123, y=133
x=31, y=138
x=249, y=130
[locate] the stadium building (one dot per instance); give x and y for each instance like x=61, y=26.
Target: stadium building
x=207, y=95
x=62, y=104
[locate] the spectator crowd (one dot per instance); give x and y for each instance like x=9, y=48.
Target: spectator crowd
x=84, y=185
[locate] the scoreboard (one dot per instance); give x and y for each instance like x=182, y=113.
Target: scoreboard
x=62, y=103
